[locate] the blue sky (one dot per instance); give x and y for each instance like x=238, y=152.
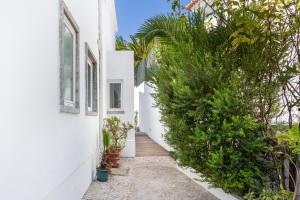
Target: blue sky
x=132, y=13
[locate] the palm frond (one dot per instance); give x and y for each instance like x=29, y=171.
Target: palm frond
x=165, y=28
x=121, y=44
x=140, y=48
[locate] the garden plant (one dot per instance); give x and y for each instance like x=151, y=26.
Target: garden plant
x=118, y=132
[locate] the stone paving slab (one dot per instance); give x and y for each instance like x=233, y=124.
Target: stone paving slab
x=149, y=178
x=121, y=171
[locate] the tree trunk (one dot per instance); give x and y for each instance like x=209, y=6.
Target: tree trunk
x=286, y=169
x=297, y=188
x=290, y=117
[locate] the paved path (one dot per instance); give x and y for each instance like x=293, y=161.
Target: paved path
x=148, y=178
x=145, y=146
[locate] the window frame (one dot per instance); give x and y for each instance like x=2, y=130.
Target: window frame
x=115, y=110
x=72, y=102
x=90, y=60
x=67, y=20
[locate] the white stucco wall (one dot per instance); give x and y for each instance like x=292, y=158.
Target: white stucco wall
x=107, y=28
x=45, y=154
x=121, y=67
x=149, y=116
x=136, y=99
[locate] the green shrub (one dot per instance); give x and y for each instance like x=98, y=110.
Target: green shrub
x=216, y=103
x=291, y=139
x=270, y=195
x=225, y=144
x=237, y=153
x=210, y=122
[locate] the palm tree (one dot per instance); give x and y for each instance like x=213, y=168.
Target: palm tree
x=121, y=44
x=162, y=28
x=172, y=29
x=140, y=48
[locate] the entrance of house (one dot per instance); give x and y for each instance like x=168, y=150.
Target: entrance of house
x=145, y=146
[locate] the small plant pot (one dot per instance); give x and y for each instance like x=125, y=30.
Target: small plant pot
x=114, y=155
x=114, y=162
x=113, y=158
x=102, y=175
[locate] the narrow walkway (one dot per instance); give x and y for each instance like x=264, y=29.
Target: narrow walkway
x=145, y=146
x=152, y=175
x=148, y=178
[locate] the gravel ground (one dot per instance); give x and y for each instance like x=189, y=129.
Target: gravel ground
x=149, y=178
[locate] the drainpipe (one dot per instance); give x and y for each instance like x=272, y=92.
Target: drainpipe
x=100, y=107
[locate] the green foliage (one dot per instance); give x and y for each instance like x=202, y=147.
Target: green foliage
x=118, y=131
x=270, y=195
x=224, y=143
x=271, y=27
x=140, y=48
x=121, y=44
x=291, y=139
x=205, y=94
x=106, y=139
x=176, y=6
x=235, y=147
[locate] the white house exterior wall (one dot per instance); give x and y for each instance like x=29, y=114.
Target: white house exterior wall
x=107, y=29
x=120, y=68
x=46, y=154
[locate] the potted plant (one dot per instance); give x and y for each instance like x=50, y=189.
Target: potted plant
x=118, y=133
x=102, y=170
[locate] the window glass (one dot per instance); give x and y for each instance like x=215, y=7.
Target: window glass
x=115, y=95
x=89, y=85
x=68, y=69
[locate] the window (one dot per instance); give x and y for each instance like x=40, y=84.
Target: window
x=115, y=95
x=69, y=62
x=90, y=85
x=91, y=82
x=69, y=54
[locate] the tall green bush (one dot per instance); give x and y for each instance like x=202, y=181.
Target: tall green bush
x=205, y=94
x=237, y=155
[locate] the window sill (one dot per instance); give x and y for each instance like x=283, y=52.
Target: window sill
x=69, y=109
x=115, y=112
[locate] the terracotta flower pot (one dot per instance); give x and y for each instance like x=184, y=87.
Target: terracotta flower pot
x=113, y=157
